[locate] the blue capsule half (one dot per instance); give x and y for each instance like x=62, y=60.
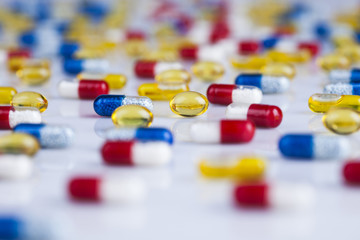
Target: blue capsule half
x=270, y=42
x=29, y=128
x=297, y=145
x=249, y=79
x=267, y=84
x=74, y=66
x=11, y=228
x=28, y=39
x=68, y=49
x=154, y=134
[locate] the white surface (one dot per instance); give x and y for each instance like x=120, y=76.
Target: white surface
x=15, y=167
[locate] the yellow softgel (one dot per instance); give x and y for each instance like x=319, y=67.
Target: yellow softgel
x=15, y=63
x=115, y=81
x=342, y=120
x=352, y=52
x=161, y=92
x=33, y=75
x=7, y=94
x=189, y=104
x=334, y=61
x=132, y=116
x=19, y=143
x=342, y=41
x=30, y=99
x=250, y=63
x=161, y=55
x=279, y=69
x=90, y=52
x=135, y=48
x=173, y=76
x=301, y=56
x=208, y=71
x=322, y=102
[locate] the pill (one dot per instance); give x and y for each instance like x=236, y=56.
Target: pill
x=247, y=47
x=351, y=171
x=140, y=134
x=312, y=47
x=266, y=116
x=345, y=76
x=105, y=105
x=250, y=62
x=106, y=189
x=270, y=42
x=49, y=136
x=314, y=146
x=34, y=72
x=15, y=167
x=279, y=69
x=342, y=89
x=17, y=57
x=201, y=53
x=132, y=116
x=342, y=120
x=19, y=143
x=208, y=71
x=149, y=69
x=352, y=52
x=86, y=89
x=10, y=116
x=136, y=153
x=135, y=47
x=333, y=61
x=225, y=94
x=68, y=49
x=7, y=93
x=173, y=75
x=75, y=66
x=301, y=56
x=189, y=104
x=322, y=102
x=161, y=91
x=267, y=84
x=30, y=99
x=219, y=30
x=115, y=81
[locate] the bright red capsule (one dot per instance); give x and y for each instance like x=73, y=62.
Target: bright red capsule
x=84, y=89
x=248, y=47
x=256, y=195
x=189, y=52
x=135, y=35
x=351, y=172
x=149, y=69
x=226, y=94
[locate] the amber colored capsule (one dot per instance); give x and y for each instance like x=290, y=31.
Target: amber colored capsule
x=19, y=143
x=135, y=48
x=30, y=99
x=189, y=104
x=250, y=63
x=342, y=120
x=115, y=81
x=208, y=71
x=15, y=63
x=334, y=61
x=132, y=116
x=161, y=92
x=322, y=102
x=350, y=51
x=279, y=69
x=7, y=94
x=300, y=56
x=173, y=76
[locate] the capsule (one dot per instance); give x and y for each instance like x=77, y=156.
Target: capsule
x=115, y=81
x=132, y=116
x=161, y=92
x=149, y=69
x=279, y=69
x=248, y=47
x=345, y=76
x=266, y=116
x=309, y=146
x=49, y=136
x=351, y=172
x=10, y=116
x=19, y=143
x=106, y=190
x=189, y=104
x=17, y=57
x=208, y=71
x=140, y=134
x=30, y=99
x=105, y=105
x=136, y=153
x=292, y=57
x=15, y=167
x=68, y=49
x=243, y=169
x=135, y=47
x=312, y=47
x=342, y=120
x=75, y=66
x=322, y=102
x=334, y=61
x=200, y=53
x=352, y=52
x=34, y=73
x=250, y=63
x=7, y=93
x=85, y=89
x=173, y=76
x=226, y=94
x=342, y=89
x=267, y=84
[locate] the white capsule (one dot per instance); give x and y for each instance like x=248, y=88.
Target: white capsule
x=15, y=166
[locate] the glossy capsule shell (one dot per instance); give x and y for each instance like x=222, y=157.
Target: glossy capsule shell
x=174, y=75
x=267, y=84
x=334, y=61
x=208, y=71
x=15, y=167
x=342, y=89
x=189, y=104
x=49, y=136
x=17, y=57
x=132, y=116
x=161, y=92
x=312, y=47
x=248, y=47
x=10, y=116
x=350, y=51
x=105, y=105
x=76, y=66
x=34, y=72
x=6, y=95
x=342, y=120
x=252, y=195
x=149, y=69
x=312, y=146
x=30, y=99
x=68, y=49
x=132, y=153
x=250, y=63
x=322, y=102
x=140, y=134
x=351, y=172
x=266, y=116
x=19, y=143
x=105, y=190
x=115, y=81
x=279, y=69
x=226, y=94
x=86, y=89
x=345, y=76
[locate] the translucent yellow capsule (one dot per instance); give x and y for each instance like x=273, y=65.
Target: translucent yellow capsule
x=15, y=63
x=342, y=120
x=132, y=116
x=301, y=56
x=322, y=102
x=334, y=61
x=244, y=169
x=161, y=55
x=7, y=94
x=279, y=69
x=173, y=76
x=90, y=52
x=352, y=52
x=19, y=143
x=33, y=76
x=135, y=48
x=342, y=41
x=115, y=81
x=189, y=104
x=30, y=99
x=161, y=92
x=250, y=63
x=208, y=71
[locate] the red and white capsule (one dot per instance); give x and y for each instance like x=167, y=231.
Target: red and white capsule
x=226, y=94
x=203, y=52
x=312, y=46
x=108, y=190
x=351, y=172
x=266, y=116
x=10, y=116
x=136, y=153
x=84, y=89
x=148, y=69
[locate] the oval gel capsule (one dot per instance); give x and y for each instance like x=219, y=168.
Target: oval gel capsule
x=267, y=84
x=208, y=71
x=140, y=134
x=342, y=89
x=75, y=66
x=19, y=143
x=10, y=116
x=189, y=104
x=30, y=99
x=342, y=120
x=15, y=167
x=226, y=94
x=149, y=69
x=162, y=92
x=86, y=89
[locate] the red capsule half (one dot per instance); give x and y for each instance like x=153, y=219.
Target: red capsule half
x=145, y=69
x=351, y=172
x=118, y=152
x=236, y=131
x=312, y=47
x=220, y=93
x=91, y=89
x=20, y=52
x=248, y=47
x=4, y=117
x=267, y=116
x=135, y=35
x=189, y=52
x=85, y=188
x=256, y=195
x=220, y=30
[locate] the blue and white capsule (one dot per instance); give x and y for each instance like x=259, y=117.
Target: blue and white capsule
x=345, y=76
x=49, y=136
x=104, y=105
x=140, y=134
x=75, y=66
x=312, y=146
x=267, y=84
x=68, y=49
x=342, y=89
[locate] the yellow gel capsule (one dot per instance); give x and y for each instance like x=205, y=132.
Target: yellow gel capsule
x=90, y=52
x=36, y=63
x=352, y=52
x=161, y=55
x=173, y=76
x=33, y=76
x=115, y=81
x=30, y=99
x=342, y=41
x=15, y=63
x=132, y=116
x=342, y=120
x=334, y=61
x=208, y=71
x=161, y=92
x=189, y=104
x=279, y=69
x=250, y=63
x=301, y=56
x=135, y=48
x=7, y=94
x=19, y=143
x=322, y=102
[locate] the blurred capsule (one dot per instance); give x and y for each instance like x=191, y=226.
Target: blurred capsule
x=30, y=99
x=279, y=69
x=15, y=167
x=173, y=76
x=322, y=102
x=342, y=120
x=115, y=81
x=7, y=93
x=333, y=61
x=162, y=92
x=250, y=63
x=19, y=143
x=208, y=71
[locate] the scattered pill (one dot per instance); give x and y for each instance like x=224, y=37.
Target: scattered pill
x=226, y=94
x=86, y=89
x=30, y=99
x=149, y=69
x=189, y=104
x=140, y=134
x=322, y=102
x=342, y=120
x=132, y=116
x=19, y=143
x=10, y=116
x=267, y=84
